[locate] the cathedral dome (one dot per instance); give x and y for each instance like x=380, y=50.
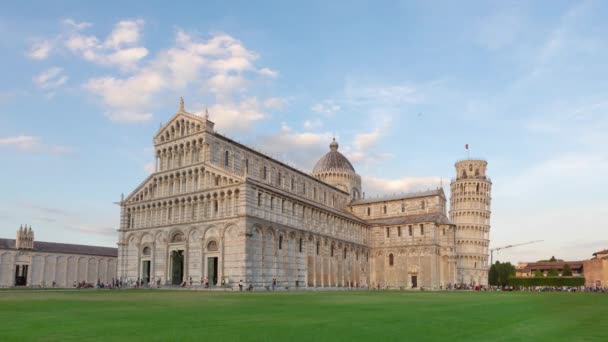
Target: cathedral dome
x=333, y=160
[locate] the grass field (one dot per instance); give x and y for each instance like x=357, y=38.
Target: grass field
x=160, y=315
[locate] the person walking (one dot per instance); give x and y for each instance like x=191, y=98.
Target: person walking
x=241, y=285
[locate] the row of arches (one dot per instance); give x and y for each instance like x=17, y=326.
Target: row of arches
x=291, y=256
x=62, y=270
x=180, y=154
x=345, y=180
x=220, y=244
x=471, y=188
x=285, y=210
x=460, y=202
x=180, y=182
x=263, y=169
x=180, y=128
x=207, y=205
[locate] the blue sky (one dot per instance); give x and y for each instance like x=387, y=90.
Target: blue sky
x=402, y=85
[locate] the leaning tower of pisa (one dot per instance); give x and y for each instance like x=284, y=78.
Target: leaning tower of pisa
x=470, y=212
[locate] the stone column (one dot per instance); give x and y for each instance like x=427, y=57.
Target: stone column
x=153, y=262
x=186, y=260
x=221, y=262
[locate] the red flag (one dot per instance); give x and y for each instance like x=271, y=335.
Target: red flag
x=466, y=146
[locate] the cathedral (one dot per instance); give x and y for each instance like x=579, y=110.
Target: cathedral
x=218, y=211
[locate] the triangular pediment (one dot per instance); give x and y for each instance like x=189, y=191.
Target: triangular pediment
x=145, y=190
x=181, y=124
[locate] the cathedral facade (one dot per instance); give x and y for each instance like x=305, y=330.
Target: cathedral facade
x=217, y=210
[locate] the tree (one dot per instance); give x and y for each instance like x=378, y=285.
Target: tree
x=567, y=271
x=493, y=274
x=500, y=273
x=552, y=259
x=552, y=273
x=538, y=273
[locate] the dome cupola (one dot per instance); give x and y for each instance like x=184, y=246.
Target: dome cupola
x=336, y=170
x=333, y=160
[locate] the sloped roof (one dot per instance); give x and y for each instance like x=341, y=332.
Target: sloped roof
x=545, y=265
x=53, y=247
x=410, y=219
x=395, y=197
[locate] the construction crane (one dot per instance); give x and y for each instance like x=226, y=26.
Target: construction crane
x=509, y=246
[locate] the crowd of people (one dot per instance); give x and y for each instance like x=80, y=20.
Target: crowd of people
x=274, y=285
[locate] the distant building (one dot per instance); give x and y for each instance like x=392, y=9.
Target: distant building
x=528, y=269
x=25, y=262
x=596, y=269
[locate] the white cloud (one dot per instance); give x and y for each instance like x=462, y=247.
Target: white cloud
x=149, y=167
x=222, y=84
x=126, y=32
x=301, y=149
x=118, y=49
x=28, y=143
x=366, y=140
x=76, y=26
x=40, y=50
x=94, y=229
x=236, y=116
x=51, y=78
x=382, y=96
x=220, y=66
x=382, y=186
x=313, y=123
x=275, y=103
x=327, y=107
x=268, y=73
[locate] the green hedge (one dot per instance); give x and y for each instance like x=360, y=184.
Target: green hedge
x=547, y=281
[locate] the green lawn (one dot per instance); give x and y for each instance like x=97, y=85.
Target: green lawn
x=161, y=315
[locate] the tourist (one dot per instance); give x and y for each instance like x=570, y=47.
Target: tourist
x=274, y=283
x=241, y=285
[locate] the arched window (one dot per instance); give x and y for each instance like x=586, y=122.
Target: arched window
x=344, y=252
x=178, y=237
x=264, y=172
x=391, y=259
x=402, y=207
x=300, y=247
x=246, y=166
x=318, y=245
x=422, y=205
x=384, y=209
x=227, y=159
x=388, y=232
x=280, y=241
x=292, y=184
x=146, y=251
x=332, y=251
x=212, y=246
x=369, y=211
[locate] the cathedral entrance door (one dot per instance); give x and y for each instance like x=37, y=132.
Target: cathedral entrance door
x=145, y=275
x=414, y=281
x=212, y=270
x=21, y=275
x=177, y=267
